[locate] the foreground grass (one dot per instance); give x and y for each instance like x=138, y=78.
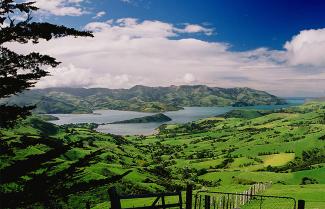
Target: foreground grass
x=314, y=195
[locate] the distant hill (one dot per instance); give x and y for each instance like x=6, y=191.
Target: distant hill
x=147, y=119
x=318, y=99
x=139, y=98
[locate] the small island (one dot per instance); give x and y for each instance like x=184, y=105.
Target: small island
x=48, y=117
x=245, y=113
x=147, y=119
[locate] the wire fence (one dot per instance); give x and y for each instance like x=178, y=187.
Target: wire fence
x=220, y=200
x=248, y=199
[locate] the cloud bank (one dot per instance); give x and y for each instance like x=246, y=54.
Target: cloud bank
x=127, y=52
x=60, y=7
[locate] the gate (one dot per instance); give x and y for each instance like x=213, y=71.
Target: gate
x=209, y=200
x=223, y=200
x=158, y=201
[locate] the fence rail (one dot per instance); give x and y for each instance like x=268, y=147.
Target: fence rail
x=248, y=199
x=233, y=200
x=223, y=200
x=159, y=198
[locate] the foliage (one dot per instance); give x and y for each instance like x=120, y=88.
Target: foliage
x=20, y=72
x=308, y=180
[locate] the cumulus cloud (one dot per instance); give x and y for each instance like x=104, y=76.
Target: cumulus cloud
x=72, y=75
x=148, y=28
x=61, y=7
x=130, y=27
x=307, y=48
x=127, y=52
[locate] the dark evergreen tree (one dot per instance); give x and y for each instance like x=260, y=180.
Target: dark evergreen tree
x=20, y=72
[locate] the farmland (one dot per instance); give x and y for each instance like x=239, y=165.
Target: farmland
x=71, y=164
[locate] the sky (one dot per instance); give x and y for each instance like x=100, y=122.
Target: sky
x=277, y=46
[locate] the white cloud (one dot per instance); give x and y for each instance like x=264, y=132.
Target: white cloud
x=128, y=52
x=130, y=27
x=61, y=7
x=191, y=28
x=145, y=29
x=307, y=48
x=99, y=15
x=71, y=75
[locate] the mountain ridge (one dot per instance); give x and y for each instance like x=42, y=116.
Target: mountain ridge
x=139, y=98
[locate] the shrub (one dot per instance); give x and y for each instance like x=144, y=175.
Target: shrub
x=308, y=180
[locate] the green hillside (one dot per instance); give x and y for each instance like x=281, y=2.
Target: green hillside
x=43, y=165
x=139, y=98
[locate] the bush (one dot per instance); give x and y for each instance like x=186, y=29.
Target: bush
x=307, y=180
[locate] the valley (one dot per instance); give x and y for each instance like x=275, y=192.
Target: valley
x=141, y=104
x=229, y=153
x=106, y=119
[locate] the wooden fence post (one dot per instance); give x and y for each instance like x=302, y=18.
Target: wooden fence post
x=223, y=201
x=207, y=202
x=236, y=201
x=250, y=193
x=163, y=202
x=180, y=199
x=114, y=198
x=87, y=205
x=301, y=204
x=189, y=193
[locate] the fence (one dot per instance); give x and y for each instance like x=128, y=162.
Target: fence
x=212, y=200
x=222, y=200
x=158, y=198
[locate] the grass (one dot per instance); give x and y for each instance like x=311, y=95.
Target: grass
x=205, y=164
x=235, y=150
x=314, y=195
x=278, y=159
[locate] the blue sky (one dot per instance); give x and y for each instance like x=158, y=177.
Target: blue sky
x=277, y=46
x=245, y=24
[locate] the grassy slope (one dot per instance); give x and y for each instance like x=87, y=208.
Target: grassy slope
x=68, y=169
x=198, y=152
x=274, y=139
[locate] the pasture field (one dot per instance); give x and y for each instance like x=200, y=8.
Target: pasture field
x=313, y=194
x=74, y=164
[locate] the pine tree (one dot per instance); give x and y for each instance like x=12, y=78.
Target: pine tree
x=21, y=72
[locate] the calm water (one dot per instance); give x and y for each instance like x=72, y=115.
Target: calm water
x=181, y=116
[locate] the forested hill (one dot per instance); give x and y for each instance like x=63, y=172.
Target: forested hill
x=140, y=98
